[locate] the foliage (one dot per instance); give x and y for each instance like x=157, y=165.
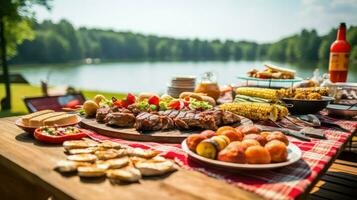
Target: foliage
x=61, y=42
x=18, y=17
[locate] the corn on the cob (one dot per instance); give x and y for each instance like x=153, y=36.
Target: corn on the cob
x=282, y=111
x=264, y=93
x=252, y=110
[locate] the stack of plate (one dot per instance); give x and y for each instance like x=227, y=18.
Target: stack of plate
x=181, y=84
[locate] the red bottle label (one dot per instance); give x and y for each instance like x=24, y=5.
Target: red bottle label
x=338, y=61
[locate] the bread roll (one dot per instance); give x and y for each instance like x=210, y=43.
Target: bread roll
x=61, y=120
x=209, y=100
x=191, y=95
x=199, y=97
x=146, y=95
x=26, y=119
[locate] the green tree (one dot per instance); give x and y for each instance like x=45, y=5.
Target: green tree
x=14, y=27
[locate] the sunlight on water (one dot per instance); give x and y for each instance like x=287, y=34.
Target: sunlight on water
x=143, y=76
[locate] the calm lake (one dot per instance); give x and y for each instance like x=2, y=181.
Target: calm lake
x=148, y=76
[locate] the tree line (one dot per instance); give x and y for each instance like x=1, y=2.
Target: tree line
x=61, y=42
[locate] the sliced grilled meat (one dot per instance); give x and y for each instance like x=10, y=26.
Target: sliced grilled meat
x=167, y=123
x=120, y=119
x=148, y=122
x=229, y=118
x=134, y=109
x=102, y=113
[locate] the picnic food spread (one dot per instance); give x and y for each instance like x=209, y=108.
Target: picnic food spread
x=211, y=132
x=149, y=112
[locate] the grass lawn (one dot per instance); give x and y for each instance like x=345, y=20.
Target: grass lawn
x=25, y=90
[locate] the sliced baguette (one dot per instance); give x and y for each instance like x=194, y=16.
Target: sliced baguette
x=61, y=120
x=26, y=119
x=38, y=121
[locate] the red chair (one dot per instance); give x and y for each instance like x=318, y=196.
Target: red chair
x=55, y=103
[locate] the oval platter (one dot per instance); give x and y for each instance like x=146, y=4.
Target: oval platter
x=171, y=136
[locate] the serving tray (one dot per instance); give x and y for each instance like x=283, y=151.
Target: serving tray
x=171, y=136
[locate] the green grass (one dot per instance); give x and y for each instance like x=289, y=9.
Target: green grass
x=19, y=91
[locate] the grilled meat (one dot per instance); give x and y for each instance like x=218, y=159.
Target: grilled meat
x=101, y=113
x=120, y=119
x=152, y=122
x=134, y=109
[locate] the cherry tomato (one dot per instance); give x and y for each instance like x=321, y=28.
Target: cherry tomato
x=187, y=98
x=123, y=103
x=116, y=104
x=175, y=105
x=154, y=100
x=130, y=98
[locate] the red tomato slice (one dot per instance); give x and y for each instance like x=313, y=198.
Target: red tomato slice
x=130, y=98
x=154, y=100
x=175, y=105
x=57, y=139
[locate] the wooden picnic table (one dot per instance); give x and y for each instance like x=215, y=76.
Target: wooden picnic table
x=26, y=172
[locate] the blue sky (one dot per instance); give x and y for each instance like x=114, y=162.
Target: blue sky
x=257, y=20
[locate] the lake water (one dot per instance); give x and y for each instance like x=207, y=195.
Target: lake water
x=146, y=76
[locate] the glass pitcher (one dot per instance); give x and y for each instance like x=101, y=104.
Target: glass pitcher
x=208, y=85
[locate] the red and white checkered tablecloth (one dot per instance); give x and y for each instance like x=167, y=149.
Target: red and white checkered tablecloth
x=284, y=183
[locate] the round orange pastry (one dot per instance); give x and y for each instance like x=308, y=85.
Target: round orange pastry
x=224, y=128
x=265, y=134
x=250, y=142
x=234, y=152
x=193, y=140
x=277, y=135
x=239, y=128
x=277, y=150
x=257, y=155
x=208, y=133
x=250, y=130
x=232, y=135
x=257, y=137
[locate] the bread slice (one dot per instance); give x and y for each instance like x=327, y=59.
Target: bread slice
x=26, y=119
x=61, y=120
x=38, y=121
x=280, y=69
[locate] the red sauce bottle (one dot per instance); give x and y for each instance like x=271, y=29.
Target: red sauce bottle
x=339, y=54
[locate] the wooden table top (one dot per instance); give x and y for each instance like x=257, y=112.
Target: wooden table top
x=34, y=162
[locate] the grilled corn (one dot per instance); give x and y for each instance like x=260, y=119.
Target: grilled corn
x=253, y=110
x=282, y=111
x=264, y=93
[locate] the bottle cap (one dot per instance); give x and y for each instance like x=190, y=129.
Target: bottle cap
x=343, y=24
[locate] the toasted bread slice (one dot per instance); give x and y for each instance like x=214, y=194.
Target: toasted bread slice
x=91, y=171
x=282, y=70
x=82, y=157
x=38, y=121
x=127, y=174
x=26, y=119
x=61, y=120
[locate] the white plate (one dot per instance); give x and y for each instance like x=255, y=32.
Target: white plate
x=294, y=154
